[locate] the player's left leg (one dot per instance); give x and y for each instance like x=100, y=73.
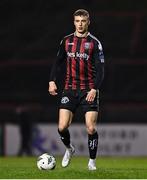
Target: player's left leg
x=91, y=119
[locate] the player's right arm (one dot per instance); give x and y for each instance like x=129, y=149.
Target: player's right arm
x=52, y=88
x=61, y=55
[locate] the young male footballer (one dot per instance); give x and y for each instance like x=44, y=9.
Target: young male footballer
x=84, y=74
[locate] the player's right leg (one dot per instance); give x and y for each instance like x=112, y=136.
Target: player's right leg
x=65, y=118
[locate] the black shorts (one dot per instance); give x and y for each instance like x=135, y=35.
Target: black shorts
x=72, y=99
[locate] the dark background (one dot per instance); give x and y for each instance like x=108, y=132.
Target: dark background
x=30, y=33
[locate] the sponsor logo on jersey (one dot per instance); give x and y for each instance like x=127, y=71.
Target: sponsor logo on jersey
x=78, y=55
x=64, y=100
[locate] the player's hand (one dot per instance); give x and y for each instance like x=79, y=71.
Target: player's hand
x=52, y=88
x=91, y=95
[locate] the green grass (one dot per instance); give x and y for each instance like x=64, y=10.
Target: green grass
x=107, y=168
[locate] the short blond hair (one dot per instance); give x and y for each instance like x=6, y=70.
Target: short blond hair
x=81, y=12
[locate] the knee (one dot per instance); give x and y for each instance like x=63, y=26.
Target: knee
x=91, y=129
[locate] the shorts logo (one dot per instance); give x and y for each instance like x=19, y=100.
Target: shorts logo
x=64, y=100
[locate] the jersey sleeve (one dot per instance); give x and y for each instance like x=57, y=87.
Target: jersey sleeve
x=61, y=55
x=99, y=64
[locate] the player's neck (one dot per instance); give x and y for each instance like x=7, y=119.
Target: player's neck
x=81, y=34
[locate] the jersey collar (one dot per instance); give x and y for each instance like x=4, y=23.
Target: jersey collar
x=82, y=37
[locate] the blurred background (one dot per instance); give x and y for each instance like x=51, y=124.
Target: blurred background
x=30, y=34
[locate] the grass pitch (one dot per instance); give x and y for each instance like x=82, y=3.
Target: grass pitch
x=107, y=168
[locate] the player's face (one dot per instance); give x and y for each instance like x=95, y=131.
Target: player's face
x=81, y=23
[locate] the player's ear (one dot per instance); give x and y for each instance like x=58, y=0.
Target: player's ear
x=74, y=22
x=89, y=22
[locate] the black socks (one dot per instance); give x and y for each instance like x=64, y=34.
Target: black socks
x=92, y=141
x=65, y=137
x=93, y=144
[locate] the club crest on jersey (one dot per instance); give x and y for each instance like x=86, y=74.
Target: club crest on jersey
x=64, y=100
x=87, y=45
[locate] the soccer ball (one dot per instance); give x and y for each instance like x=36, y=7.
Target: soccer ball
x=46, y=162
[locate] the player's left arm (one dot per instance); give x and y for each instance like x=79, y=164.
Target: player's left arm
x=99, y=65
x=98, y=57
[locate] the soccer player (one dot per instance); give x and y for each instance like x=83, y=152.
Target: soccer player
x=84, y=73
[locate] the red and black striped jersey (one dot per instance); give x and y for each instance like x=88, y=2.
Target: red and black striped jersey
x=84, y=62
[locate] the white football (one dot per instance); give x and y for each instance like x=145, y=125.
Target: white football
x=46, y=162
